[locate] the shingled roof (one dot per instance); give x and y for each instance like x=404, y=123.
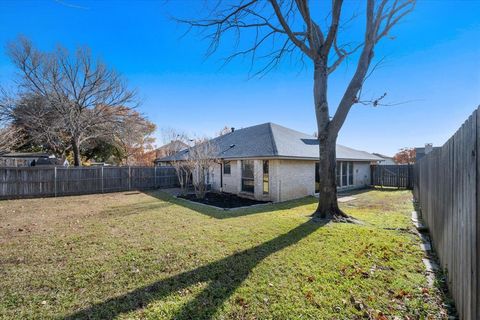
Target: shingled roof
x=270, y=140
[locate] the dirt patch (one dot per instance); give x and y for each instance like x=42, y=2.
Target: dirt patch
x=223, y=200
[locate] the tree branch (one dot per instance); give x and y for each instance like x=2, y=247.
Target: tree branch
x=299, y=43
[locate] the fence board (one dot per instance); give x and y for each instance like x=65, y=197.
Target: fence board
x=446, y=187
x=392, y=175
x=28, y=182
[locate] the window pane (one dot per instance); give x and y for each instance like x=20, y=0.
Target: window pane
x=350, y=173
x=344, y=168
x=338, y=170
x=344, y=173
x=247, y=169
x=248, y=184
x=317, y=178
x=227, y=167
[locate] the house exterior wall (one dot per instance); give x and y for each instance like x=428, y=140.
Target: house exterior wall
x=294, y=179
x=386, y=161
x=288, y=179
x=231, y=182
x=361, y=175
x=17, y=162
x=361, y=171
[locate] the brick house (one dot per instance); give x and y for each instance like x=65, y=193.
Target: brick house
x=275, y=163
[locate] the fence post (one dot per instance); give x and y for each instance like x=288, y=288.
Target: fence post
x=102, y=177
x=17, y=184
x=129, y=178
x=398, y=177
x=372, y=183
x=155, y=178
x=55, y=180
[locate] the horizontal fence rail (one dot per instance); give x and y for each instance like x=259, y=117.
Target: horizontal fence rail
x=446, y=187
x=28, y=182
x=392, y=175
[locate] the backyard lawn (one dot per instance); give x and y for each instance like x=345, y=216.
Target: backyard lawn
x=148, y=255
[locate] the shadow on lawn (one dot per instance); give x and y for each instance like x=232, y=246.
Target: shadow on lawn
x=223, y=277
x=219, y=213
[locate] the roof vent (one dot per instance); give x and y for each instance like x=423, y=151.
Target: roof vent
x=233, y=129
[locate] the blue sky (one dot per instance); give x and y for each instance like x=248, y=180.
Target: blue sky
x=433, y=64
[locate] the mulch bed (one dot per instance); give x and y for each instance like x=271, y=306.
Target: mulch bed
x=223, y=200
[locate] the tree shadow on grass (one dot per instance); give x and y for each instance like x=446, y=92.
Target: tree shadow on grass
x=219, y=213
x=223, y=277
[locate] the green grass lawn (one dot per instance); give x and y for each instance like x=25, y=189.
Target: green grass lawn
x=137, y=255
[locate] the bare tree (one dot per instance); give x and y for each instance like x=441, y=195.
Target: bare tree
x=183, y=171
x=10, y=137
x=40, y=124
x=224, y=131
x=173, y=140
x=282, y=28
x=78, y=88
x=200, y=161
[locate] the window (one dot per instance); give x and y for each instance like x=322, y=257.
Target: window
x=317, y=177
x=248, y=184
x=344, y=173
x=350, y=173
x=227, y=167
x=266, y=179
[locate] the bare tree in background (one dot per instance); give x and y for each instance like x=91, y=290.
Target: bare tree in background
x=224, y=131
x=200, y=161
x=10, y=135
x=40, y=124
x=79, y=89
x=182, y=171
x=281, y=28
x=173, y=142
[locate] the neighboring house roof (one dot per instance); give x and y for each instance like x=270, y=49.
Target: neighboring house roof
x=382, y=156
x=421, y=152
x=25, y=155
x=270, y=140
x=51, y=162
x=165, y=150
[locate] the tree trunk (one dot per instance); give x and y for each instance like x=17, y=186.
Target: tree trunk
x=327, y=200
x=76, y=152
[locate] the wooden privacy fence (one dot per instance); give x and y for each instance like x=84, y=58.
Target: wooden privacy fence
x=446, y=187
x=27, y=182
x=394, y=175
